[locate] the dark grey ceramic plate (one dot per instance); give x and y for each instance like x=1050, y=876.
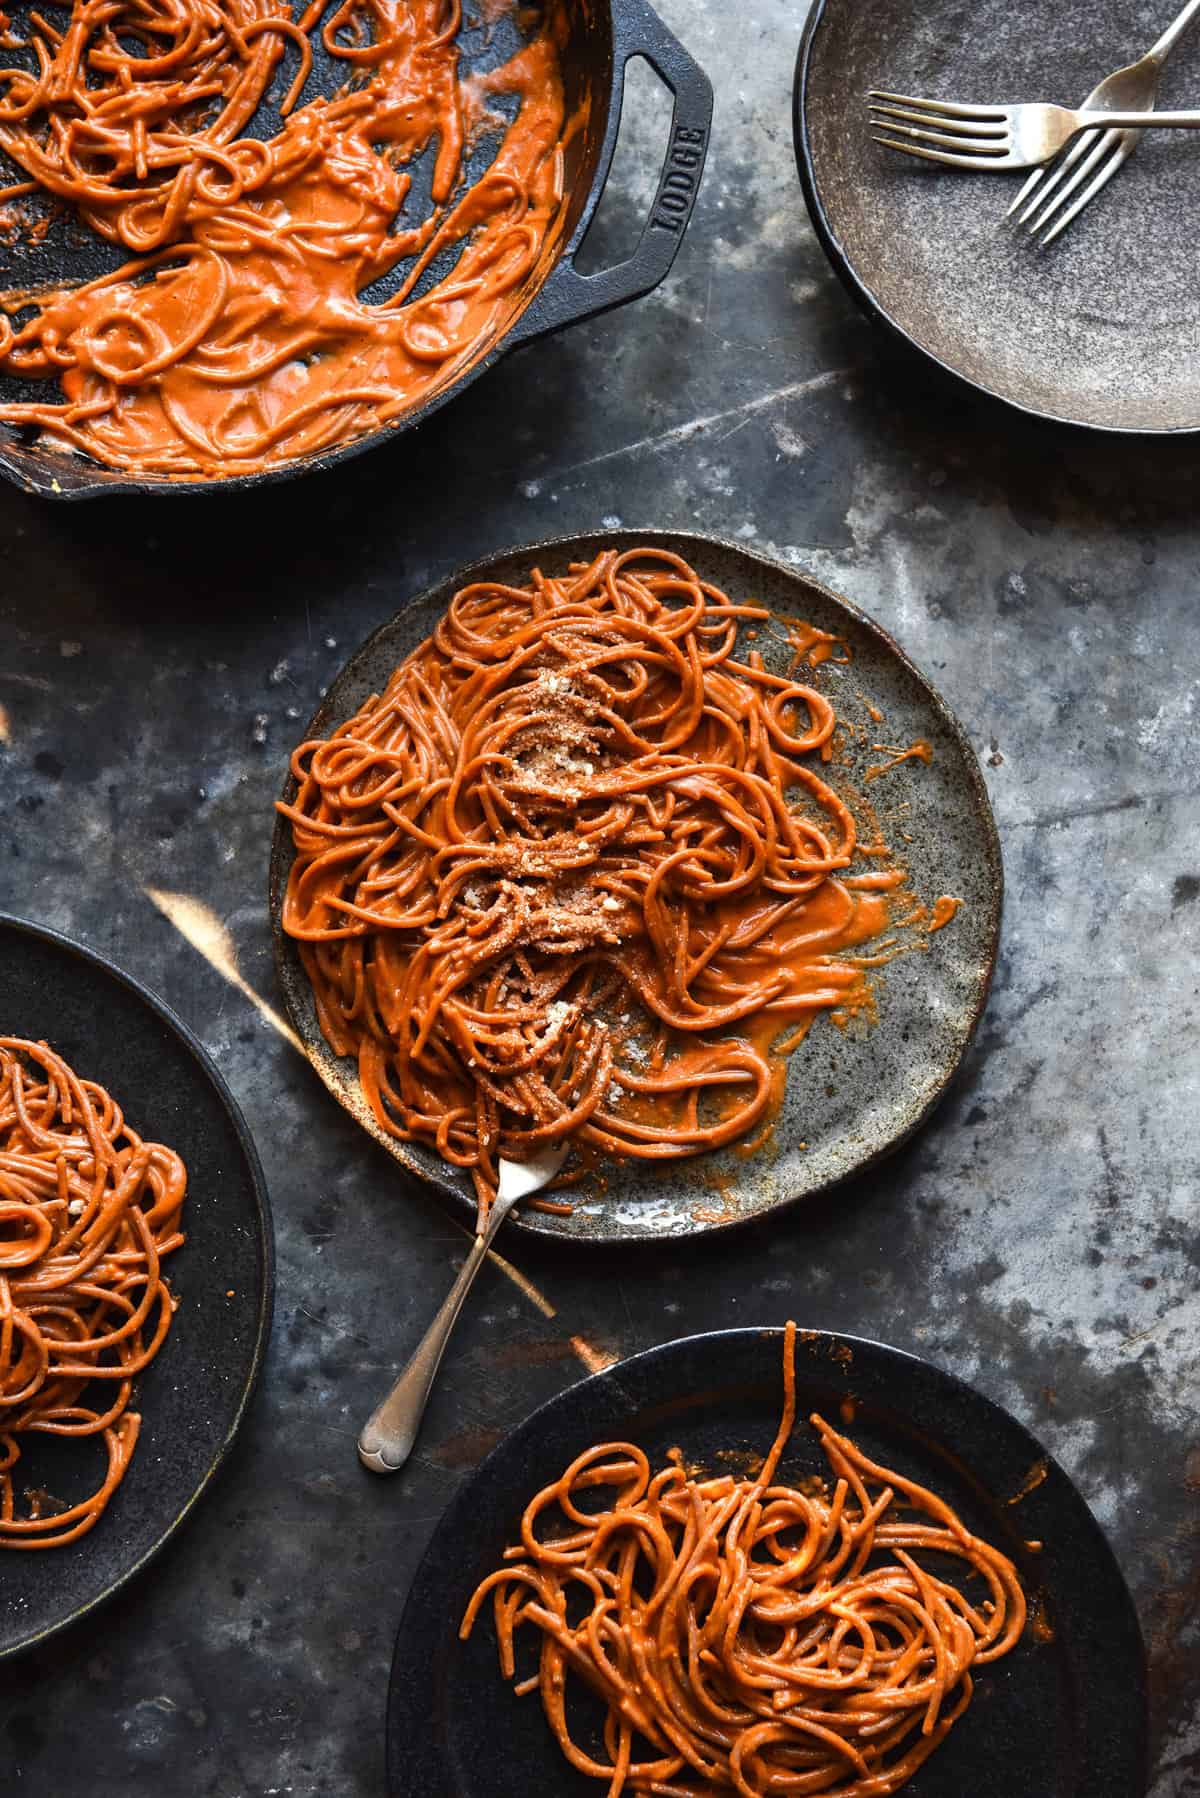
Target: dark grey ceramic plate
x=1063, y=1716
x=850, y=1099
x=1101, y=328
x=194, y=1395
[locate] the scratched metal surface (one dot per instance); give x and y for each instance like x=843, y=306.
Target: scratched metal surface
x=1040, y=1237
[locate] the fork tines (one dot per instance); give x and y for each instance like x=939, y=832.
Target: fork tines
x=1051, y=188
x=904, y=122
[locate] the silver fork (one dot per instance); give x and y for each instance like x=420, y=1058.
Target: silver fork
x=999, y=137
x=1098, y=154
x=390, y=1432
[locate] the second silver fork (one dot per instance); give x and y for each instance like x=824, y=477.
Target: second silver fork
x=1098, y=154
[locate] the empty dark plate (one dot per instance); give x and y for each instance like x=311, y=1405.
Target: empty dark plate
x=1098, y=329
x=848, y=1101
x=1062, y=1716
x=193, y=1397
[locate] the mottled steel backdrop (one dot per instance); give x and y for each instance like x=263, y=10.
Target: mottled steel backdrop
x=1040, y=1237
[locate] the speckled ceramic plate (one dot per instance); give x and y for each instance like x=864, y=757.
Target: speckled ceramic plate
x=1062, y=1716
x=1098, y=329
x=193, y=1397
x=851, y=1098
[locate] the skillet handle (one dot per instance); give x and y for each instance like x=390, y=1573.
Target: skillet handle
x=566, y=296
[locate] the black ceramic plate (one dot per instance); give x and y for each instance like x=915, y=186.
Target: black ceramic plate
x=1063, y=1716
x=194, y=1395
x=1100, y=328
x=849, y=1100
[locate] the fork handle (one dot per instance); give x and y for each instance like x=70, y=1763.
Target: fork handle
x=1136, y=121
x=390, y=1432
x=1171, y=36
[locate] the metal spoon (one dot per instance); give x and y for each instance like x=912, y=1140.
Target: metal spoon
x=388, y=1436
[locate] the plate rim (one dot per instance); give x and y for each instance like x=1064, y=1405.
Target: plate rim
x=627, y=537
x=874, y=308
x=460, y=1506
x=265, y=1241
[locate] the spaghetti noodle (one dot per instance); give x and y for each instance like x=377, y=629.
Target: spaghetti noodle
x=238, y=337
x=745, y=1635
x=573, y=875
x=88, y=1212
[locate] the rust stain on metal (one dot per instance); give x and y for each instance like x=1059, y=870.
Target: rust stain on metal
x=531, y=1354
x=467, y=1448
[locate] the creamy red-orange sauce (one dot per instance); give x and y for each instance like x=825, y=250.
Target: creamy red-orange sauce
x=944, y=910
x=855, y=922
x=242, y=339
x=920, y=751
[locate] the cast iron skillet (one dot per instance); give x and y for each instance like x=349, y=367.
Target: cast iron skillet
x=849, y=1100
x=1062, y=1716
x=193, y=1397
x=606, y=34
x=1098, y=330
